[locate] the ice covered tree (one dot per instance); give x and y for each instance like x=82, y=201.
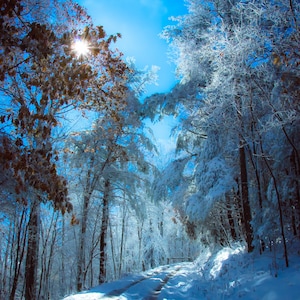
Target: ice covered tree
x=42, y=77
x=108, y=161
x=231, y=101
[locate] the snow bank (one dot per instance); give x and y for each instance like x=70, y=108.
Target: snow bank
x=229, y=273
x=233, y=274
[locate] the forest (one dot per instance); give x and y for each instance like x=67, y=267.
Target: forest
x=80, y=207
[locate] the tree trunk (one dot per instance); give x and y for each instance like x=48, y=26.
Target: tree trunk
x=62, y=274
x=82, y=238
x=21, y=245
x=230, y=217
x=279, y=208
x=112, y=249
x=6, y=271
x=140, y=237
x=32, y=252
x=103, y=232
x=245, y=197
x=89, y=187
x=247, y=217
x=46, y=256
x=92, y=179
x=122, y=238
x=296, y=201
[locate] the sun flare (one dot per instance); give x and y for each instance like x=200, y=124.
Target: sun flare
x=81, y=48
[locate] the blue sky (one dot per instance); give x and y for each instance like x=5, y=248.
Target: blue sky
x=140, y=22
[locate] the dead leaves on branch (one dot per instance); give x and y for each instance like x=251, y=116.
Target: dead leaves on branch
x=41, y=78
x=34, y=169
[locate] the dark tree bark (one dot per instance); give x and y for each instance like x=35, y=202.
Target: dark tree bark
x=280, y=209
x=245, y=198
x=82, y=238
x=32, y=253
x=20, y=251
x=103, y=232
x=122, y=238
x=230, y=218
x=247, y=217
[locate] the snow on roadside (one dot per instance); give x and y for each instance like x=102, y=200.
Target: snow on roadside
x=225, y=274
x=251, y=276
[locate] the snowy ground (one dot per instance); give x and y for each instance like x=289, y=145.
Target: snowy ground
x=227, y=274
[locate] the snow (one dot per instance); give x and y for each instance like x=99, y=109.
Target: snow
x=229, y=273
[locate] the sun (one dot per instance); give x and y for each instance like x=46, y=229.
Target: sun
x=81, y=47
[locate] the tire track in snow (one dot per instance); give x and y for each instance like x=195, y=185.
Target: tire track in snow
x=154, y=295
x=119, y=292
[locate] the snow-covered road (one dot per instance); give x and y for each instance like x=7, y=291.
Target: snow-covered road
x=226, y=274
x=159, y=283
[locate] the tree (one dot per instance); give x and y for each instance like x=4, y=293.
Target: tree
x=40, y=80
x=109, y=157
x=231, y=101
